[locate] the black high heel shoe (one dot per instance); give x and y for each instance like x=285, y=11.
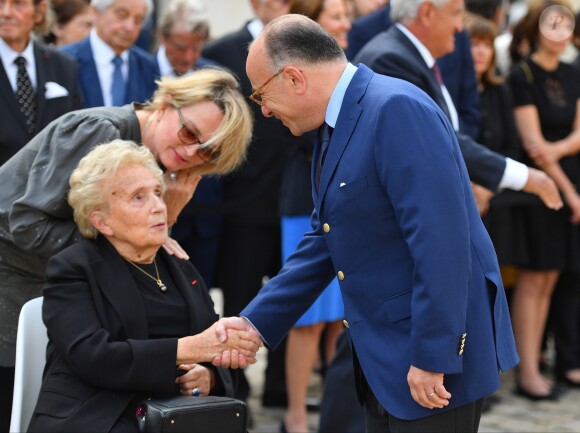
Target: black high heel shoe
x=552, y=396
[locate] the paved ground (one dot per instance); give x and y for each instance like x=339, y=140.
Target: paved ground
x=511, y=414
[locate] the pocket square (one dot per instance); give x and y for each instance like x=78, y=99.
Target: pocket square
x=54, y=90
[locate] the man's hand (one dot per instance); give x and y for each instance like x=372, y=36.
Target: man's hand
x=482, y=197
x=235, y=351
x=542, y=185
x=233, y=358
x=427, y=388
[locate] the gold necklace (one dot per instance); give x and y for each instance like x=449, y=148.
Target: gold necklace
x=162, y=286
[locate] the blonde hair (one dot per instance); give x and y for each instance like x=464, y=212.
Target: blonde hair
x=100, y=164
x=232, y=139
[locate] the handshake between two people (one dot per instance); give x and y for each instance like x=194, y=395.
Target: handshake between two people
x=231, y=342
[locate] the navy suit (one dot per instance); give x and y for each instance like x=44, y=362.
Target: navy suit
x=392, y=53
x=143, y=71
x=395, y=219
x=51, y=66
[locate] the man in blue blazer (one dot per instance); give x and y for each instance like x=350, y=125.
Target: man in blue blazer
x=395, y=220
x=116, y=29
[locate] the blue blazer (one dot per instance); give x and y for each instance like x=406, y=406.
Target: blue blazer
x=143, y=71
x=392, y=53
x=395, y=219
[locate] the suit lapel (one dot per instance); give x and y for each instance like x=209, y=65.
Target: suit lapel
x=432, y=86
x=8, y=94
x=348, y=117
x=133, y=82
x=42, y=57
x=118, y=286
x=88, y=76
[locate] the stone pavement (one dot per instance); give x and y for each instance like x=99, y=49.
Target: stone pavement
x=511, y=414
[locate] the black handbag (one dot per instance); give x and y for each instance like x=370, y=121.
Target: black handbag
x=186, y=414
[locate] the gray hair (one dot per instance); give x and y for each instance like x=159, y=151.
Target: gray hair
x=100, y=164
x=403, y=10
x=102, y=5
x=296, y=38
x=189, y=16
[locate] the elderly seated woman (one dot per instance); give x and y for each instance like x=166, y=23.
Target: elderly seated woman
x=125, y=319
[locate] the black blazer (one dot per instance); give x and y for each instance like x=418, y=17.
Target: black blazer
x=51, y=66
x=251, y=193
x=392, y=53
x=99, y=355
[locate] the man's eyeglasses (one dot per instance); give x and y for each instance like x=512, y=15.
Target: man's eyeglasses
x=187, y=136
x=256, y=96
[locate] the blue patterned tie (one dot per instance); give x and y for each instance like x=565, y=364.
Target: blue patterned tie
x=25, y=94
x=324, y=134
x=118, y=87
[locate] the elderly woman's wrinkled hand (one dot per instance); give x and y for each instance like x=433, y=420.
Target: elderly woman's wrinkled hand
x=198, y=380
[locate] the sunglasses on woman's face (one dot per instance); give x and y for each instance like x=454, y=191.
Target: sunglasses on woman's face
x=187, y=136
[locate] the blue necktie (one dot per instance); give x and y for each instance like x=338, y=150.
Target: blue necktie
x=118, y=87
x=324, y=134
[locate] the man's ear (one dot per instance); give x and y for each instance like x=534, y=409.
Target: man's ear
x=297, y=78
x=99, y=220
x=425, y=13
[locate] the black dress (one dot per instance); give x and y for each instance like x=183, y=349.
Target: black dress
x=549, y=241
x=498, y=132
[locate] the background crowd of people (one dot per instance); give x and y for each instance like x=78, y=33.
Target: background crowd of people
x=508, y=85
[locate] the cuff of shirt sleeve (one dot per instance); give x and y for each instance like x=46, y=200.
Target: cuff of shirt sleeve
x=515, y=175
x=261, y=336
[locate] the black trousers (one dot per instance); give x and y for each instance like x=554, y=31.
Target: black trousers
x=463, y=419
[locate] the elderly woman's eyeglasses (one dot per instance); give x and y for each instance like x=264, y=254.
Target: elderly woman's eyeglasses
x=256, y=96
x=187, y=136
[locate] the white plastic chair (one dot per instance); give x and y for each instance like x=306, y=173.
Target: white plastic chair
x=31, y=341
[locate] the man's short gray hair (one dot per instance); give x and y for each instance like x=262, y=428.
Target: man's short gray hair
x=402, y=10
x=102, y=5
x=295, y=38
x=188, y=16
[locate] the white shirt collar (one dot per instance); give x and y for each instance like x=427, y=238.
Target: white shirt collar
x=425, y=53
x=8, y=55
x=335, y=102
x=164, y=66
x=255, y=27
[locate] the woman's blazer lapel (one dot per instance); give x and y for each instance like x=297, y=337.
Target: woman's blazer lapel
x=118, y=285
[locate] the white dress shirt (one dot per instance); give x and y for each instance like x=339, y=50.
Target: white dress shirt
x=103, y=55
x=8, y=55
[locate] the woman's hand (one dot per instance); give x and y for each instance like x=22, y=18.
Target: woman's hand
x=198, y=378
x=180, y=188
x=207, y=345
x=173, y=248
x=573, y=202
